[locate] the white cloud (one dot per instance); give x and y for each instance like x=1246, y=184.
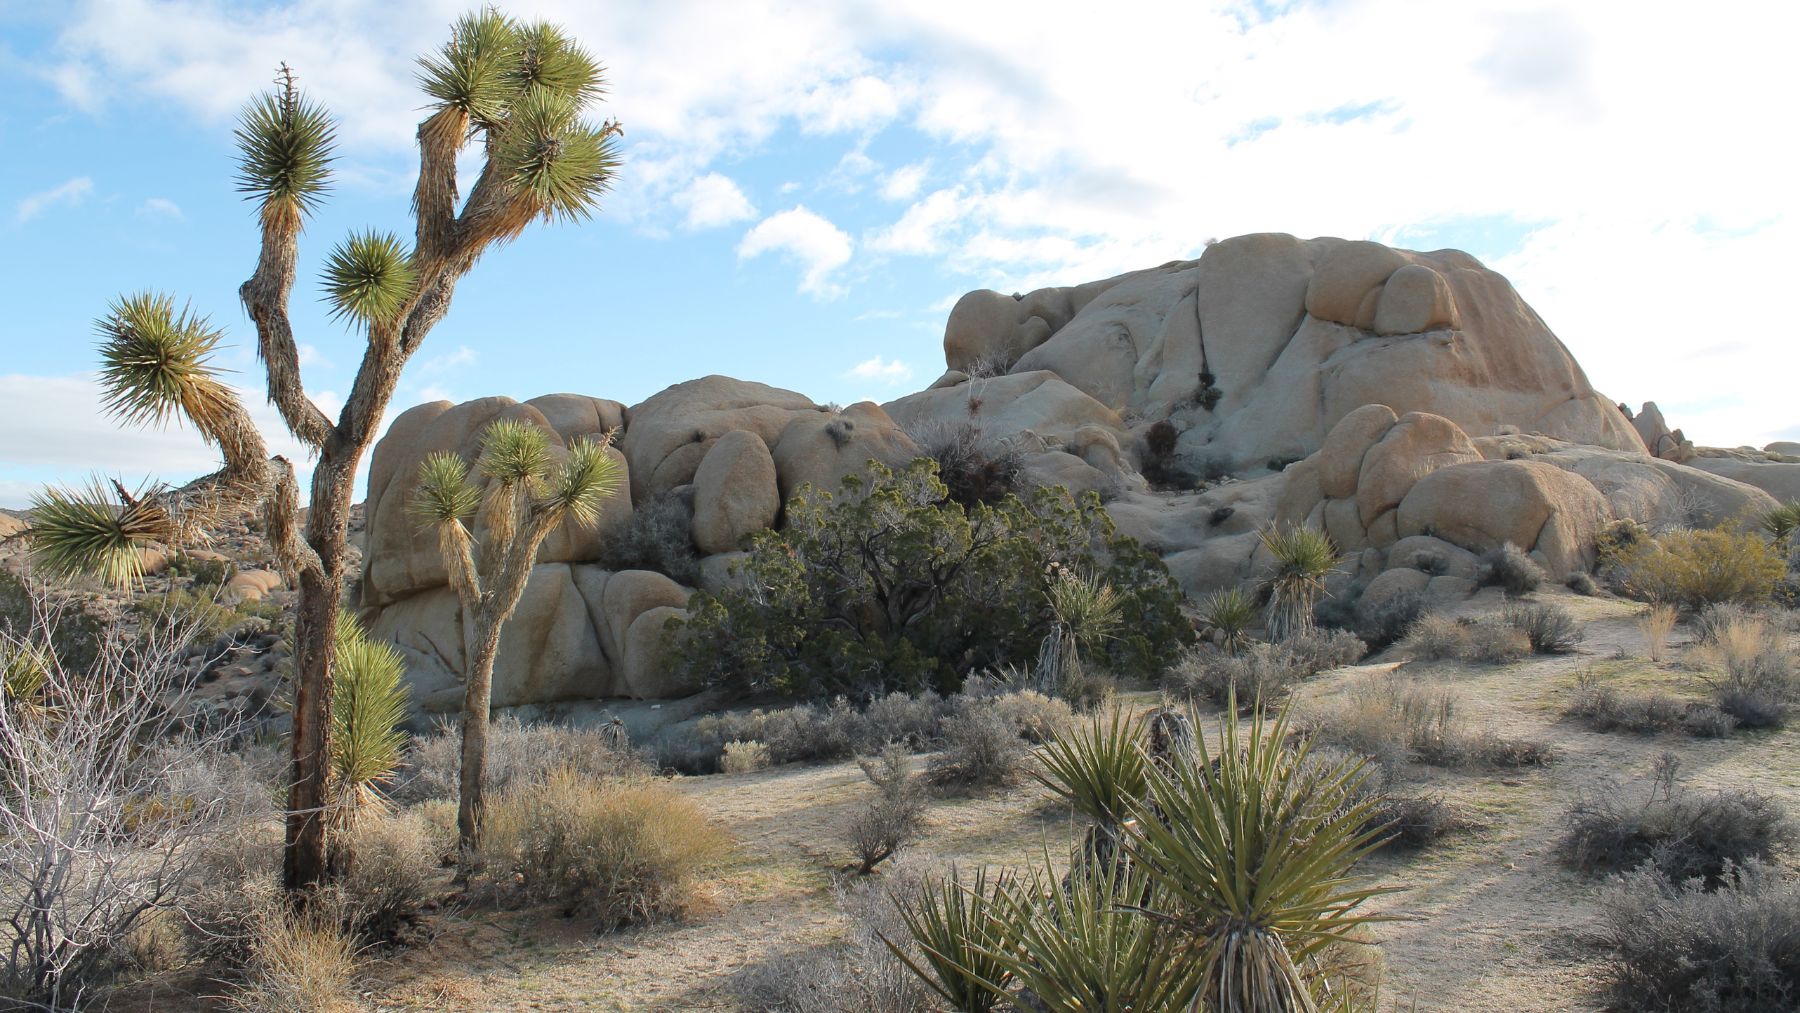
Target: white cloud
x=462, y=356
x=926, y=227
x=713, y=200
x=67, y=194
x=161, y=207
x=889, y=371
x=311, y=357
x=810, y=241
x=904, y=183
x=861, y=103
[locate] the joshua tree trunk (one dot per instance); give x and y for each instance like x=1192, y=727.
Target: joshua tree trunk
x=477, y=703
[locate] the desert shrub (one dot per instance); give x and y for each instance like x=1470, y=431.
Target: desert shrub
x=1711, y=621
x=622, y=851
x=1582, y=583
x=1604, y=709
x=1302, y=558
x=1549, y=629
x=658, y=536
x=1680, y=946
x=1391, y=719
x=972, y=469
x=516, y=753
x=1511, y=570
x=202, y=572
x=740, y=757
x=893, y=817
x=900, y=717
x=106, y=796
x=1683, y=835
x=1227, y=616
x=1693, y=568
x=1706, y=721
x=1655, y=625
x=861, y=976
x=889, y=584
x=981, y=749
x=1618, y=541
x=299, y=962
x=391, y=872
x=1164, y=466
x=200, y=614
x=69, y=629
x=1385, y=622
x=1753, y=678
x=1436, y=638
x=1033, y=716
x=1265, y=672
x=1403, y=820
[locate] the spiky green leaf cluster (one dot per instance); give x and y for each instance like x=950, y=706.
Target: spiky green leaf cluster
x=553, y=158
x=1230, y=613
x=471, y=73
x=79, y=532
x=586, y=479
x=1099, y=767
x=284, y=151
x=24, y=671
x=154, y=362
x=444, y=493
x=369, y=277
x=1782, y=522
x=550, y=61
x=515, y=453
x=960, y=941
x=1089, y=608
x=369, y=700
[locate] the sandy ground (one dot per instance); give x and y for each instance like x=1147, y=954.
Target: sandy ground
x=1493, y=922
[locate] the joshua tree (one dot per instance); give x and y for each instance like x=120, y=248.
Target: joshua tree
x=1304, y=557
x=528, y=495
x=520, y=89
x=1084, y=613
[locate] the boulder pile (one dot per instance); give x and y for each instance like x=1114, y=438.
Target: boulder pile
x=1409, y=404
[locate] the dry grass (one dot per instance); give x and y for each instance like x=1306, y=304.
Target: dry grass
x=1439, y=638
x=1655, y=625
x=740, y=757
x=620, y=851
x=298, y=963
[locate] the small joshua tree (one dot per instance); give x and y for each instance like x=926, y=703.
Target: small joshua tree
x=368, y=681
x=529, y=493
x=1304, y=557
x=518, y=88
x=1084, y=613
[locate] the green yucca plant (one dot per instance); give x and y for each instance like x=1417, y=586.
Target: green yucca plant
x=1089, y=608
x=24, y=672
x=1231, y=613
x=962, y=939
x=515, y=92
x=1782, y=521
x=1084, y=946
x=369, y=708
x=1250, y=855
x=529, y=493
x=1099, y=766
x=1304, y=557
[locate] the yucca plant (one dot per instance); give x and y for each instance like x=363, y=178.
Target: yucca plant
x=1230, y=613
x=515, y=91
x=1781, y=522
x=369, y=693
x=962, y=939
x=1098, y=767
x=1304, y=557
x=1083, y=945
x=1085, y=612
x=529, y=493
x=1249, y=855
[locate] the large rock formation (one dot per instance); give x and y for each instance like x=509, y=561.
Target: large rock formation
x=1409, y=404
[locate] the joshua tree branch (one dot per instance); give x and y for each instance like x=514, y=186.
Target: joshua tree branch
x=265, y=298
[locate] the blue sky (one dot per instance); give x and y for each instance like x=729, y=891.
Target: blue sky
x=809, y=185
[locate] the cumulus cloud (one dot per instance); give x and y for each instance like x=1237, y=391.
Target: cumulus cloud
x=160, y=208
x=904, y=183
x=462, y=356
x=889, y=371
x=810, y=241
x=713, y=200
x=66, y=194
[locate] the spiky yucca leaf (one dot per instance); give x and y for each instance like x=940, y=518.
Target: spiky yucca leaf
x=369, y=277
x=473, y=72
x=369, y=698
x=1782, y=521
x=1251, y=856
x=77, y=533
x=1304, y=557
x=552, y=159
x=284, y=152
x=24, y=671
x=1089, y=608
x=959, y=935
x=586, y=479
x=443, y=493
x=1081, y=947
x=515, y=453
x=155, y=364
x=1230, y=612
x=548, y=59
x=1099, y=767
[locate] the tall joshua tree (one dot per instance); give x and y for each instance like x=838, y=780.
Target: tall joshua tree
x=528, y=495
x=519, y=90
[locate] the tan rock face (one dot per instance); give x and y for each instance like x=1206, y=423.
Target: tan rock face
x=820, y=449
x=735, y=492
x=1536, y=506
